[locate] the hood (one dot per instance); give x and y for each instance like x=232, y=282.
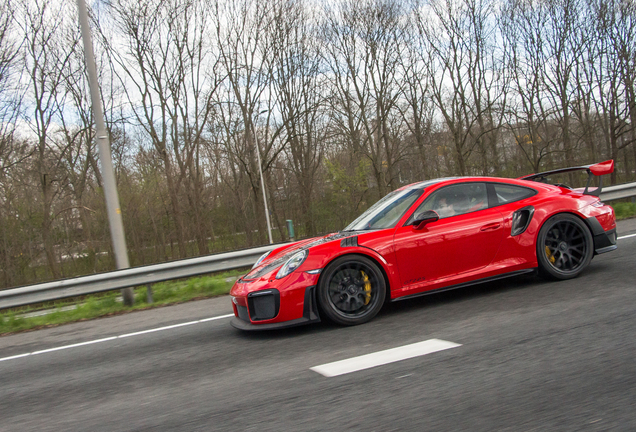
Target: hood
x=272, y=263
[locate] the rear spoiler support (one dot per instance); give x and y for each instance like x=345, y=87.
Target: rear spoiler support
x=598, y=170
x=596, y=192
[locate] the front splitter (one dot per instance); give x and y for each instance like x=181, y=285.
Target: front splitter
x=242, y=325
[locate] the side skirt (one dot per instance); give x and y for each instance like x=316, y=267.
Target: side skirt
x=465, y=284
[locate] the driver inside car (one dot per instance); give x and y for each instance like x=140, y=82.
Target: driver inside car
x=451, y=205
x=444, y=208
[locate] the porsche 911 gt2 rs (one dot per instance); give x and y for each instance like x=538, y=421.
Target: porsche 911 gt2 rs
x=426, y=237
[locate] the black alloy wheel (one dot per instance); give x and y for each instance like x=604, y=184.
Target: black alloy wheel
x=351, y=290
x=564, y=247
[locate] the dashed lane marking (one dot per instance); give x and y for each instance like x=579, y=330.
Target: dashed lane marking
x=380, y=358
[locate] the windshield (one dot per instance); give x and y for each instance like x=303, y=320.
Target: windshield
x=386, y=212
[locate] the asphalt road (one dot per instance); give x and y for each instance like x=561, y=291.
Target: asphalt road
x=534, y=356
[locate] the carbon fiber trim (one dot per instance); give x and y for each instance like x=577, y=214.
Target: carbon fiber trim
x=595, y=226
x=605, y=242
x=349, y=242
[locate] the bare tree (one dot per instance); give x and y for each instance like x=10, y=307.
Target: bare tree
x=46, y=56
x=295, y=68
x=12, y=150
x=417, y=108
x=564, y=45
x=467, y=80
x=172, y=73
x=77, y=142
x=241, y=36
x=228, y=151
x=363, y=45
x=523, y=25
x=340, y=101
x=614, y=25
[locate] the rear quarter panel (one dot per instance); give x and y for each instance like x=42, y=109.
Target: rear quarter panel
x=520, y=251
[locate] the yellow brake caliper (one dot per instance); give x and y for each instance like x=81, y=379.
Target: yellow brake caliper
x=549, y=255
x=367, y=288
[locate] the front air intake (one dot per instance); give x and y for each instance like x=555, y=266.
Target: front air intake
x=242, y=313
x=263, y=305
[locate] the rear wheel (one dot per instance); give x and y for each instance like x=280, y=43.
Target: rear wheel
x=564, y=247
x=351, y=290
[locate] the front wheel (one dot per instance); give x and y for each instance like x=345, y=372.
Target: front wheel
x=564, y=247
x=351, y=290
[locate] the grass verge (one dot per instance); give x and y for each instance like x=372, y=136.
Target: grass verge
x=624, y=210
x=107, y=304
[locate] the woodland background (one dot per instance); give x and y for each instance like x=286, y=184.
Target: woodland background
x=346, y=100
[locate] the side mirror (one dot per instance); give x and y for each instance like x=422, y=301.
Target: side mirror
x=421, y=219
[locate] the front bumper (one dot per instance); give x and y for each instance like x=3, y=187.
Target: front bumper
x=243, y=314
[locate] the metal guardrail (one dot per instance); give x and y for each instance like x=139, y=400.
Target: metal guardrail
x=627, y=190
x=136, y=276
x=139, y=276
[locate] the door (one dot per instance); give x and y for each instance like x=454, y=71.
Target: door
x=465, y=238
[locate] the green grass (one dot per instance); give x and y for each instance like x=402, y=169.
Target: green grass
x=624, y=210
x=100, y=305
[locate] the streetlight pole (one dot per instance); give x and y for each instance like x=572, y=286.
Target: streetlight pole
x=108, y=175
x=260, y=170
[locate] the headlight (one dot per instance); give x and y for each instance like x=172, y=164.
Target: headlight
x=292, y=264
x=260, y=260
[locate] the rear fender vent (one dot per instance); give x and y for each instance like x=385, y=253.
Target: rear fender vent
x=521, y=219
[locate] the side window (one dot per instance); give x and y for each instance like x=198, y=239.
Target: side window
x=456, y=200
x=510, y=193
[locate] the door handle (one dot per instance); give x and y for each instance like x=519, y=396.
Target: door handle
x=491, y=226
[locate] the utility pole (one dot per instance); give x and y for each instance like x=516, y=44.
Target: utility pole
x=103, y=143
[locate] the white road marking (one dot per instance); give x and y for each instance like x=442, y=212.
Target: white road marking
x=626, y=236
x=64, y=347
x=216, y=318
x=74, y=345
x=15, y=357
x=159, y=329
x=380, y=358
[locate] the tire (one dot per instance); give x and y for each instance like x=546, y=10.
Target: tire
x=351, y=290
x=564, y=247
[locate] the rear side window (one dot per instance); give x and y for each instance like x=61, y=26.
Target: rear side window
x=510, y=193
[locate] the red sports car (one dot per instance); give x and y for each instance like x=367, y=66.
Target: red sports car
x=427, y=237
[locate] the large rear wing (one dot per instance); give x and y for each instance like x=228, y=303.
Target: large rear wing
x=598, y=170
